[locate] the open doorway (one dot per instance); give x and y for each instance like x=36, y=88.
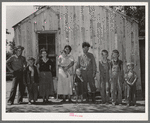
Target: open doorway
x=47, y=41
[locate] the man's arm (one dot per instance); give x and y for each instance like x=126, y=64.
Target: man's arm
x=94, y=66
x=8, y=62
x=78, y=63
x=25, y=62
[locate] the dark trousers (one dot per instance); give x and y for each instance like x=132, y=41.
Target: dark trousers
x=131, y=94
x=32, y=91
x=18, y=79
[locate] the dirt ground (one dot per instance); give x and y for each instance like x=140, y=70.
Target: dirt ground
x=55, y=106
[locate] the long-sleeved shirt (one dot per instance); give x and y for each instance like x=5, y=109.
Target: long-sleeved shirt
x=87, y=62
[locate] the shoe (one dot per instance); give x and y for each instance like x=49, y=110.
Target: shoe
x=113, y=103
x=19, y=102
x=34, y=101
x=46, y=101
x=70, y=100
x=64, y=100
x=103, y=102
x=29, y=103
x=43, y=100
x=10, y=103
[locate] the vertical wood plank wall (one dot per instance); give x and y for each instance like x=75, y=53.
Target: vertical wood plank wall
x=102, y=27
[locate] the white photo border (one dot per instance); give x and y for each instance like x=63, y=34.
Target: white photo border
x=65, y=116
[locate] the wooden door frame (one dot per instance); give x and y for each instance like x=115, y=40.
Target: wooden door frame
x=55, y=32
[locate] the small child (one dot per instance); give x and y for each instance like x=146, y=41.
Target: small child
x=131, y=78
x=63, y=64
x=30, y=79
x=79, y=85
x=116, y=78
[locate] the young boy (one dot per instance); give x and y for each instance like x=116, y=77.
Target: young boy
x=30, y=79
x=116, y=78
x=104, y=68
x=131, y=78
x=79, y=85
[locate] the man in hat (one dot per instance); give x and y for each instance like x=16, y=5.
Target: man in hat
x=15, y=64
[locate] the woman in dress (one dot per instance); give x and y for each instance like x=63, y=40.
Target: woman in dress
x=65, y=83
x=46, y=87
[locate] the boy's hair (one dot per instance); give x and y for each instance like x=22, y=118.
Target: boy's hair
x=132, y=64
x=85, y=44
x=104, y=51
x=115, y=51
x=31, y=58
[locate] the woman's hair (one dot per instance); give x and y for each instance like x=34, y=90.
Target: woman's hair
x=43, y=50
x=68, y=47
x=85, y=44
x=104, y=51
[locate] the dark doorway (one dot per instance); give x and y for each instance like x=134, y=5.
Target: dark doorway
x=47, y=41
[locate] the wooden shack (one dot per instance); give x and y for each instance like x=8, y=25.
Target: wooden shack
x=52, y=27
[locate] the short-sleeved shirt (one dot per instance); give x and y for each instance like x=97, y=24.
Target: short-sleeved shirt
x=130, y=76
x=16, y=63
x=44, y=66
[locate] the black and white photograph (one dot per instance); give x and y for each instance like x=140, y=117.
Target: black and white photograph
x=75, y=61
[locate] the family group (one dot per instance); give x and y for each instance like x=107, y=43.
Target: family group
x=115, y=84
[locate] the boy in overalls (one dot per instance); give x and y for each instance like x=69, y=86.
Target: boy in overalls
x=104, y=68
x=116, y=78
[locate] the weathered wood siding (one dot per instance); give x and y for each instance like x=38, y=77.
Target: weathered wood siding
x=102, y=27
